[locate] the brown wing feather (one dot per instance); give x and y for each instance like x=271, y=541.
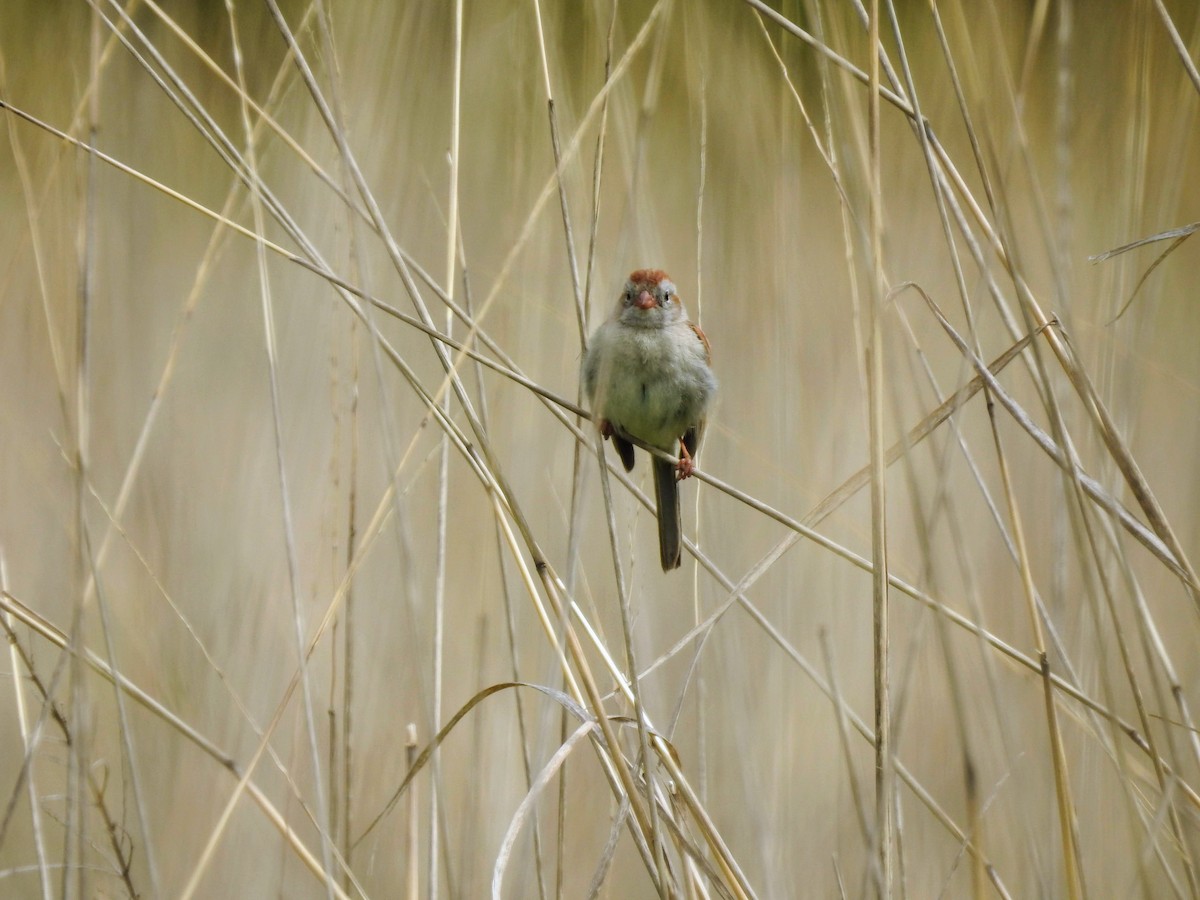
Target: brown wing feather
x=703, y=340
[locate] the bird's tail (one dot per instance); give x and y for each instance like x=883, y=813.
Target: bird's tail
x=670, y=526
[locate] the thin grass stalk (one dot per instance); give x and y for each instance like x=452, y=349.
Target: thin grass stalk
x=598, y=170
x=48, y=710
x=609, y=850
x=1064, y=120
x=412, y=822
x=564, y=206
x=439, y=602
x=579, y=292
x=884, y=823
x=510, y=623
x=1189, y=65
x=578, y=469
x=131, y=767
x=29, y=740
x=439, y=636
x=702, y=691
x=349, y=630
x=857, y=798
x=130, y=764
x=74, y=876
x=333, y=746
x=120, y=845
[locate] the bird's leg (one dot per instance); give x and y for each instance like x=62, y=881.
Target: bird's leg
x=684, y=466
x=606, y=429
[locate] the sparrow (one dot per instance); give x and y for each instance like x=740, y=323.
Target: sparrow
x=647, y=374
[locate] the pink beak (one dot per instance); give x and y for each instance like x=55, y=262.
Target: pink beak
x=645, y=300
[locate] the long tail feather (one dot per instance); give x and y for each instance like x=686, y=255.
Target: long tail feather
x=670, y=526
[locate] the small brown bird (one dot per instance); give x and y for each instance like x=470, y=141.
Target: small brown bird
x=648, y=375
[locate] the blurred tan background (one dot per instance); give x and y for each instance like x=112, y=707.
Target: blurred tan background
x=111, y=291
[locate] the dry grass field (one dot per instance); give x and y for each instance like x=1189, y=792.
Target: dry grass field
x=313, y=584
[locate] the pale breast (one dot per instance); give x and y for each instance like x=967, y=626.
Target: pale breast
x=652, y=383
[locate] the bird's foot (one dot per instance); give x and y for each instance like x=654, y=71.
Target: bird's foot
x=683, y=469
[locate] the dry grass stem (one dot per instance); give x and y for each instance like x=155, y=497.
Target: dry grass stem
x=272, y=451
